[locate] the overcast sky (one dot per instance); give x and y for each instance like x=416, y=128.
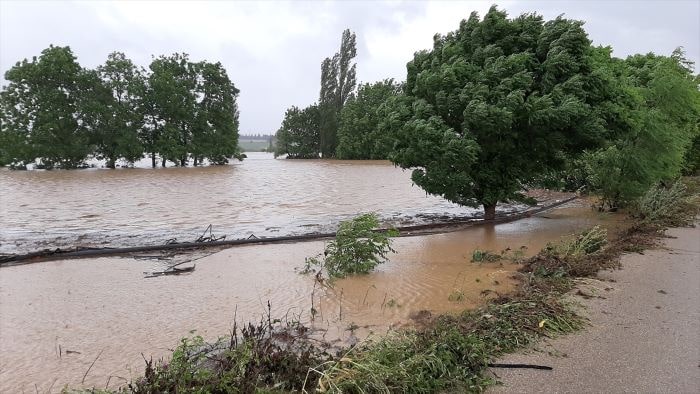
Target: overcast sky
x=273, y=50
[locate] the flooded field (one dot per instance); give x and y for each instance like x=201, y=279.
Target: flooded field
x=105, y=306
x=261, y=196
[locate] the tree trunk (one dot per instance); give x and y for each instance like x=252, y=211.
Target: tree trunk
x=183, y=162
x=196, y=162
x=489, y=211
x=163, y=163
x=110, y=163
x=153, y=159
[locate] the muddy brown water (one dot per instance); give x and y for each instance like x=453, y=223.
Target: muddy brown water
x=261, y=195
x=105, y=304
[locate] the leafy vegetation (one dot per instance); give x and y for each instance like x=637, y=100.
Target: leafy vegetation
x=360, y=135
x=357, y=248
x=42, y=111
x=337, y=87
x=670, y=205
x=270, y=354
x=482, y=256
x=654, y=113
x=298, y=137
x=55, y=111
x=496, y=104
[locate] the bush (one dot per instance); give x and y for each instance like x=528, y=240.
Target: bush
x=357, y=248
x=585, y=243
x=661, y=205
x=485, y=256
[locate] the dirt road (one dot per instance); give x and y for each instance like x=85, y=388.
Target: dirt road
x=644, y=335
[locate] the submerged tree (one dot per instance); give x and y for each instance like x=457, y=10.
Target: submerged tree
x=118, y=110
x=359, y=134
x=337, y=84
x=173, y=83
x=41, y=116
x=494, y=104
x=298, y=137
x=215, y=134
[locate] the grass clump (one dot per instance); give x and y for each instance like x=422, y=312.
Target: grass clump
x=583, y=244
x=451, y=354
x=675, y=205
x=485, y=256
x=264, y=356
x=456, y=296
x=357, y=248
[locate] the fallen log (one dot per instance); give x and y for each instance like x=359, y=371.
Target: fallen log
x=405, y=231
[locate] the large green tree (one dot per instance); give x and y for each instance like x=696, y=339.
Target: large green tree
x=338, y=80
x=359, y=134
x=494, y=104
x=118, y=110
x=298, y=137
x=41, y=115
x=656, y=108
x=173, y=100
x=215, y=133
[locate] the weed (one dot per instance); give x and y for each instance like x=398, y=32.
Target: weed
x=668, y=206
x=393, y=303
x=484, y=256
x=456, y=296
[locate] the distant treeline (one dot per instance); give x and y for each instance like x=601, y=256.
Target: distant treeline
x=58, y=113
x=502, y=104
x=265, y=137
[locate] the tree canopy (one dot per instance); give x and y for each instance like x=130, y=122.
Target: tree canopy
x=656, y=108
x=360, y=135
x=41, y=111
x=58, y=112
x=337, y=86
x=495, y=104
x=298, y=137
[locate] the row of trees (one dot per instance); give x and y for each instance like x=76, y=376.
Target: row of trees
x=60, y=113
x=500, y=103
x=503, y=104
x=339, y=124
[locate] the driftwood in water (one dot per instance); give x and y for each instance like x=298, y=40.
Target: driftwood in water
x=171, y=271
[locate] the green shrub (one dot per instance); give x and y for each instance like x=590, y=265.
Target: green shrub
x=661, y=205
x=585, y=243
x=357, y=248
x=485, y=256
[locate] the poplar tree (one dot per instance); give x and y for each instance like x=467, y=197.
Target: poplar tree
x=338, y=81
x=173, y=83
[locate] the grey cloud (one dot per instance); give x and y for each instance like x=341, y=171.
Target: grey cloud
x=285, y=71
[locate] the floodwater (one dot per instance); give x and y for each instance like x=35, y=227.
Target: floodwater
x=261, y=195
x=105, y=307
x=58, y=317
